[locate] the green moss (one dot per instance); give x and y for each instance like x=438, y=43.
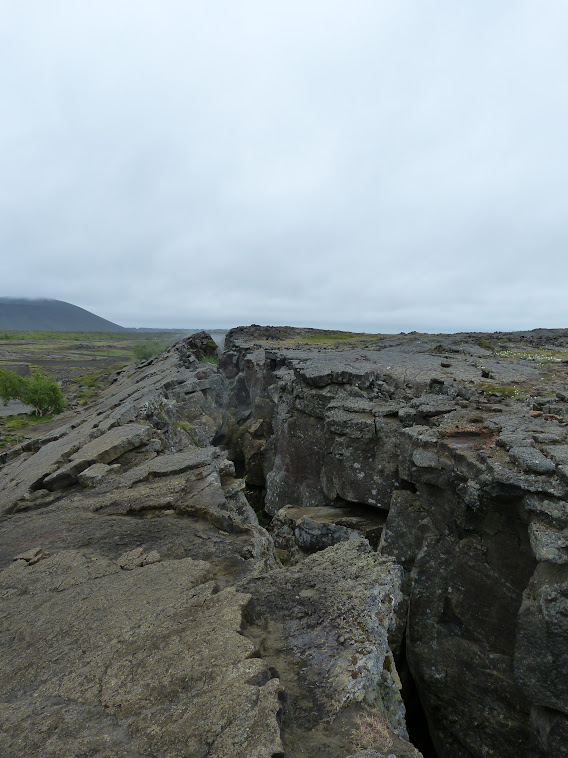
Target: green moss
x=283, y=556
x=210, y=359
x=505, y=390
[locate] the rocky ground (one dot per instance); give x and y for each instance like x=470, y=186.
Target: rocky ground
x=410, y=594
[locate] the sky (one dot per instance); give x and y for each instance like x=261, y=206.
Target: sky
x=366, y=165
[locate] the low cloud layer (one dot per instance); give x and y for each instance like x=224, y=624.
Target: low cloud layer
x=382, y=166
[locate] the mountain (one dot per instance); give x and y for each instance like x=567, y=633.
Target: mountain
x=50, y=315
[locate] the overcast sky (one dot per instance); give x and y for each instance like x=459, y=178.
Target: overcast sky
x=378, y=165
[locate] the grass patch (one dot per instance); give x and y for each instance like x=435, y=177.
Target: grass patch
x=328, y=338
x=47, y=336
x=333, y=337
x=186, y=426
x=89, y=385
x=541, y=355
x=10, y=440
x=23, y=421
x=504, y=390
x=97, y=378
x=210, y=359
x=371, y=731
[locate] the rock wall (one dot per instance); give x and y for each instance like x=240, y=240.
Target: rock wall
x=145, y=613
x=418, y=550
x=472, y=488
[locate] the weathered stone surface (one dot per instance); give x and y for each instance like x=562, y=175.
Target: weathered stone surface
x=532, y=460
x=549, y=733
x=392, y=748
x=32, y=556
x=112, y=445
x=96, y=474
x=121, y=636
x=324, y=625
x=103, y=449
x=307, y=530
x=129, y=652
x=541, y=661
x=172, y=464
x=380, y=425
x=137, y=558
x=548, y=543
x=135, y=655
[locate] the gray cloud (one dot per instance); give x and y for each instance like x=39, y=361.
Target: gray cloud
x=373, y=165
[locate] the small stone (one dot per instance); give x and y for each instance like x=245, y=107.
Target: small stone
x=425, y=458
x=32, y=556
x=132, y=559
x=152, y=557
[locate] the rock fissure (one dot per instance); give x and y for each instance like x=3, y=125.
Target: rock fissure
x=413, y=584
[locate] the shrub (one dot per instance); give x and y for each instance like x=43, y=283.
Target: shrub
x=41, y=392
x=11, y=385
x=143, y=351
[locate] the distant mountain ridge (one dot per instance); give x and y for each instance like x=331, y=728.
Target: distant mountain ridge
x=51, y=315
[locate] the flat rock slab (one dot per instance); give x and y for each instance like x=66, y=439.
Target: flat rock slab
x=103, y=449
x=96, y=474
x=319, y=527
x=113, y=444
x=174, y=463
x=146, y=662
x=532, y=460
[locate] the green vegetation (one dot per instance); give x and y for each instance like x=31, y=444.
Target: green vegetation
x=505, y=390
x=41, y=336
x=283, y=556
x=143, y=351
x=96, y=378
x=11, y=385
x=538, y=354
x=186, y=426
x=41, y=392
x=209, y=359
x=10, y=440
x=333, y=337
x=23, y=421
x=82, y=344
x=90, y=384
